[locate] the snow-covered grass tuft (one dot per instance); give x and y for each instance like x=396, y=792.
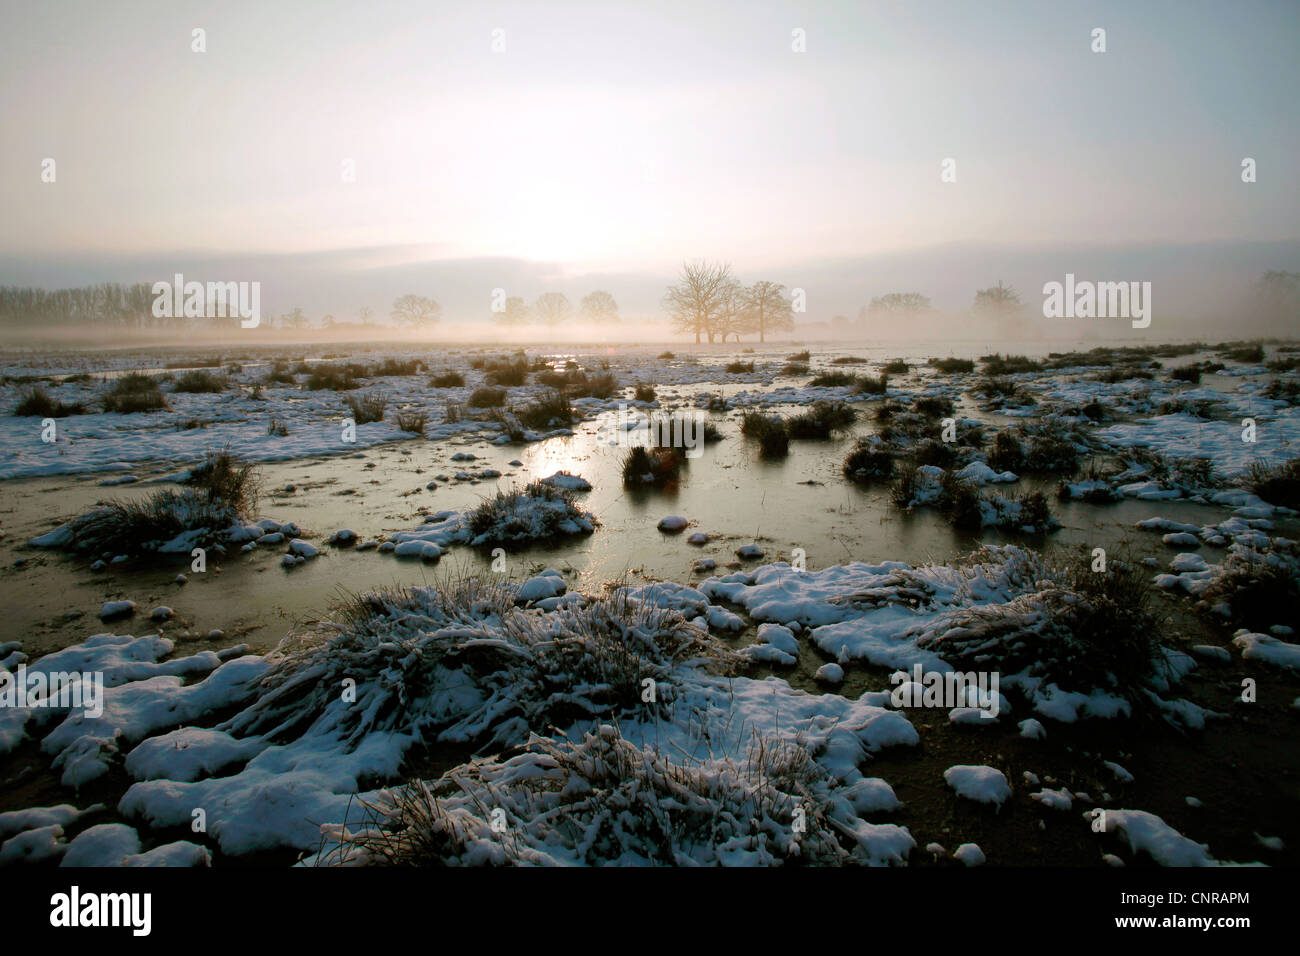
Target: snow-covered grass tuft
x=605, y=800
x=463, y=659
x=537, y=512
x=1082, y=630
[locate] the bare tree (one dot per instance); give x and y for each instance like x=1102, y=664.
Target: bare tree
x=1278, y=294
x=1000, y=300
x=767, y=309
x=599, y=306
x=367, y=315
x=552, y=307
x=297, y=319
x=418, y=310
x=907, y=303
x=699, y=299
x=516, y=312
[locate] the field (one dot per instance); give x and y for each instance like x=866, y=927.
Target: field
x=415, y=605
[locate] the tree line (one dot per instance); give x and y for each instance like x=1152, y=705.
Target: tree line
x=708, y=302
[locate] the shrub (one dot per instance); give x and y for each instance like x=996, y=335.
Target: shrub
x=136, y=527
x=277, y=428
x=1077, y=628
x=1261, y=590
x=412, y=420
x=1122, y=374
x=552, y=410
x=952, y=365
x=537, y=512
x=225, y=479
x=645, y=393
x=1188, y=373
x=833, y=380
x=867, y=463
x=279, y=375
x=769, y=431
x=134, y=393
x=667, y=356
x=934, y=407
x=487, y=398
x=1009, y=365
x=603, y=385
x=1035, y=511
x=397, y=367
x=1007, y=453
x=1248, y=354
x=37, y=402
x=896, y=367
x=794, y=368
x=200, y=381
x=1276, y=484
x=873, y=386
x=507, y=373
x=658, y=466
x=821, y=420
x=960, y=502
x=739, y=368
x=941, y=454
x=367, y=408
x=848, y=360
x=447, y=380
x=335, y=378
x=905, y=487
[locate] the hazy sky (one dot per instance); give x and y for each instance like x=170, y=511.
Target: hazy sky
x=607, y=141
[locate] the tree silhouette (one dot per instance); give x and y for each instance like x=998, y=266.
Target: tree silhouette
x=516, y=312
x=700, y=298
x=767, y=309
x=1000, y=300
x=552, y=307
x=907, y=303
x=599, y=306
x=417, y=310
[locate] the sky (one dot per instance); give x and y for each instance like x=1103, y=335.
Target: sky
x=600, y=145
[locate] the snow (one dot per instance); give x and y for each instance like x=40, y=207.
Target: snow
x=1146, y=832
x=113, y=609
x=567, y=481
x=981, y=784
x=1032, y=729
x=116, y=844
x=1060, y=799
x=970, y=854
x=1267, y=649
x=830, y=674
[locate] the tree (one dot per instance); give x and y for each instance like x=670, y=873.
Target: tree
x=998, y=300
x=1279, y=293
x=599, y=306
x=766, y=308
x=515, y=313
x=699, y=299
x=367, y=315
x=552, y=308
x=297, y=319
x=904, y=303
x=416, y=310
